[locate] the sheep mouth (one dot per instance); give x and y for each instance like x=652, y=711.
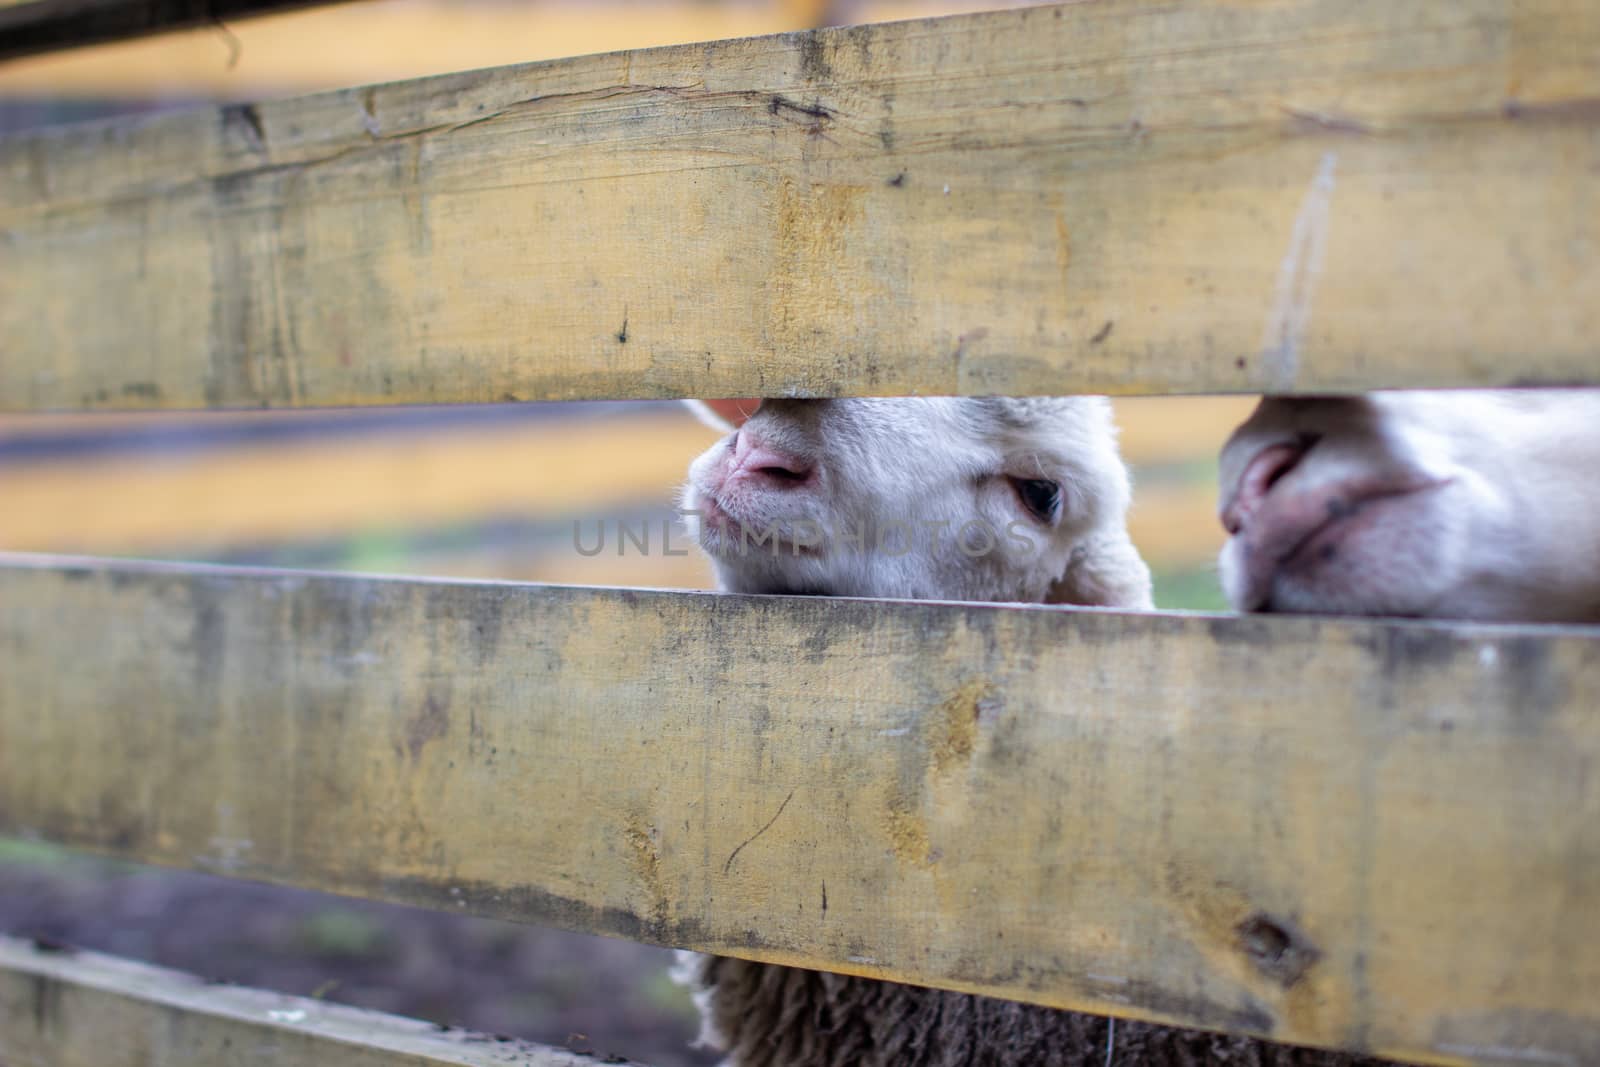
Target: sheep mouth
x=716, y=519
x=1296, y=535
x=722, y=533
x=1345, y=511
x=714, y=515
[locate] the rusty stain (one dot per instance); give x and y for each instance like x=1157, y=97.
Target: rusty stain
x=907, y=833
x=1063, y=244
x=646, y=857
x=955, y=725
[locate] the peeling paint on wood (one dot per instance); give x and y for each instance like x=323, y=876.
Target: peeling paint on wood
x=67, y=1008
x=1357, y=834
x=1077, y=198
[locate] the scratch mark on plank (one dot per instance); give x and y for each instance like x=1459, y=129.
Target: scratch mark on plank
x=1297, y=279
x=726, y=867
x=1324, y=121
x=780, y=104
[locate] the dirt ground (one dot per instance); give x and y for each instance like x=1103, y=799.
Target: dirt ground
x=590, y=994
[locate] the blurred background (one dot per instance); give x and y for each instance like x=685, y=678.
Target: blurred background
x=490, y=492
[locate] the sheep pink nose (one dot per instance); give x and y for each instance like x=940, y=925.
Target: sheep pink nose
x=752, y=456
x=1260, y=475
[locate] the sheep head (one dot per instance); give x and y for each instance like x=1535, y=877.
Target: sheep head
x=1471, y=504
x=944, y=498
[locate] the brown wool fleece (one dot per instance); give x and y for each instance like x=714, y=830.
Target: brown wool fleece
x=765, y=1015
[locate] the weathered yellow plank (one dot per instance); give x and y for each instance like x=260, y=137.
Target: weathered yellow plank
x=81, y=1009
x=1368, y=835
x=1295, y=195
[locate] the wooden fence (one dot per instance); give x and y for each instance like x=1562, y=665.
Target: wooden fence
x=1367, y=835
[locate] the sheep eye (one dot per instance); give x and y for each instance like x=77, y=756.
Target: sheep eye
x=1039, y=496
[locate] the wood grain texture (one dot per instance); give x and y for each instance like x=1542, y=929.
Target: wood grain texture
x=47, y=25
x=1293, y=195
x=81, y=1009
x=1368, y=835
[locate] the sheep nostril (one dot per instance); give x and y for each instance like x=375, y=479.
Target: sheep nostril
x=784, y=473
x=1288, y=459
x=753, y=457
x=1265, y=470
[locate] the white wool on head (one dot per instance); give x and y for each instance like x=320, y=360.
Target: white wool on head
x=919, y=497
x=1474, y=504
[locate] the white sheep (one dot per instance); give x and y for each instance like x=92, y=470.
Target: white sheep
x=942, y=498
x=789, y=503
x=1471, y=504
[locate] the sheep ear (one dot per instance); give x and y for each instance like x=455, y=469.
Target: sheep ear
x=724, y=416
x=1104, y=571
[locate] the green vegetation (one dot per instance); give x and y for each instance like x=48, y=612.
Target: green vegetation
x=20, y=852
x=1188, y=589
x=342, y=933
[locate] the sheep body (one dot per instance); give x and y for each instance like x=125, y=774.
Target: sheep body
x=765, y=1015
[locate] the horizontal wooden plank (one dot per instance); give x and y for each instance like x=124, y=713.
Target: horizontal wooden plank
x=1369, y=835
x=81, y=1009
x=1305, y=195
x=47, y=25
